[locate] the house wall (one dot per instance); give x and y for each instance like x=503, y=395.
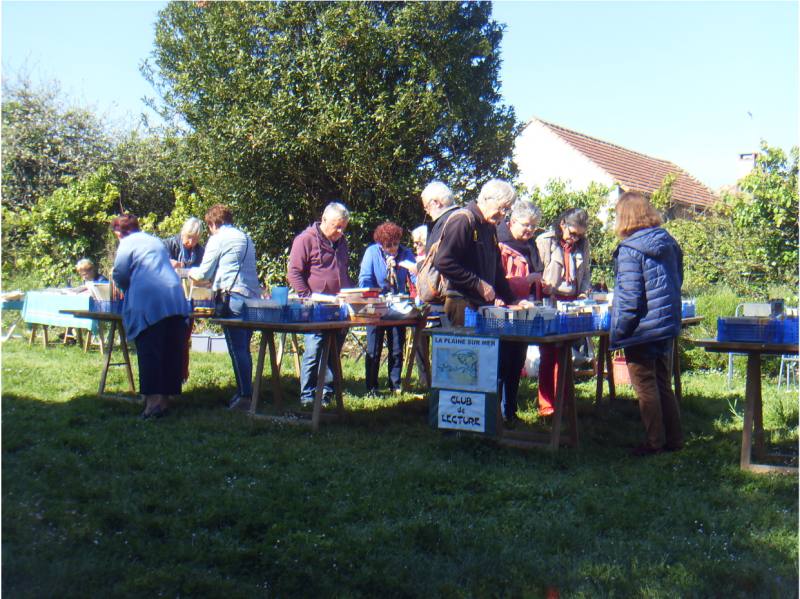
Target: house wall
x=541, y=155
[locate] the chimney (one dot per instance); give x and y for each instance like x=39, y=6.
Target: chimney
x=747, y=162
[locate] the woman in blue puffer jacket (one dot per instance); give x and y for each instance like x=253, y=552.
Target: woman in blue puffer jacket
x=646, y=316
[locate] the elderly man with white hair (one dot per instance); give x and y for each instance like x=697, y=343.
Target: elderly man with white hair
x=439, y=203
x=318, y=263
x=185, y=249
x=469, y=257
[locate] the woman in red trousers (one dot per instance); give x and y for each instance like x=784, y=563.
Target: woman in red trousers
x=564, y=251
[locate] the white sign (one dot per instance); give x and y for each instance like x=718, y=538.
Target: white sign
x=462, y=411
x=464, y=363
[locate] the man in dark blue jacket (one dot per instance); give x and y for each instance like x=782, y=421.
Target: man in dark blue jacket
x=646, y=316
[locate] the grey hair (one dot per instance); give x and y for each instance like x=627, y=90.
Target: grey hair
x=337, y=211
x=192, y=226
x=526, y=209
x=420, y=234
x=498, y=190
x=84, y=264
x=438, y=191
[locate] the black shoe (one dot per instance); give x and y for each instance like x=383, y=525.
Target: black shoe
x=155, y=413
x=643, y=450
x=240, y=403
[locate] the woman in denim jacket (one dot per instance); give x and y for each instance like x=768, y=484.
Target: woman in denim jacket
x=230, y=259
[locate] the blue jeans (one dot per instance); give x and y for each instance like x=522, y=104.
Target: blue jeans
x=239, y=347
x=310, y=365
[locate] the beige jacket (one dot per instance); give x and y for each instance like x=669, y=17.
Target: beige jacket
x=552, y=255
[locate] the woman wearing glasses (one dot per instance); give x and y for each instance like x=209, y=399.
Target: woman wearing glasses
x=381, y=267
x=523, y=269
x=564, y=251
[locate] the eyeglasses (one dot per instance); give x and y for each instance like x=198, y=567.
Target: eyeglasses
x=528, y=226
x=572, y=233
x=504, y=210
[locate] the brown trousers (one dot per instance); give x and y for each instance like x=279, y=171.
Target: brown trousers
x=454, y=310
x=652, y=380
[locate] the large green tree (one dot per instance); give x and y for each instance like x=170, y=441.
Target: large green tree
x=46, y=136
x=291, y=105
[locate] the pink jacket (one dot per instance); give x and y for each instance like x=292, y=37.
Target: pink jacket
x=316, y=266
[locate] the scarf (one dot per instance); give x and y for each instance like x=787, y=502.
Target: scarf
x=184, y=258
x=391, y=270
x=569, y=275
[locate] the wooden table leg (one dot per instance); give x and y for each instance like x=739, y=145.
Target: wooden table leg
x=337, y=381
x=275, y=365
x=612, y=389
x=676, y=371
x=262, y=349
x=569, y=387
x=45, y=340
x=281, y=347
x=327, y=339
x=499, y=409
x=600, y=369
x=750, y=397
x=123, y=343
x=107, y=358
x=758, y=421
x=555, y=435
x=296, y=347
x=426, y=359
x=33, y=333
x=101, y=333
x=414, y=345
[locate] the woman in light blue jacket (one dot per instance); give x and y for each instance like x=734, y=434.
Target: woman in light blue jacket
x=230, y=259
x=154, y=312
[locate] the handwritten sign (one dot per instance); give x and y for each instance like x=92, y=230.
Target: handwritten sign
x=462, y=411
x=464, y=363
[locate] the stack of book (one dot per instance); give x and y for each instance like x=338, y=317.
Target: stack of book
x=363, y=303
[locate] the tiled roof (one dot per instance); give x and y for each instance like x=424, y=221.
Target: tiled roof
x=634, y=170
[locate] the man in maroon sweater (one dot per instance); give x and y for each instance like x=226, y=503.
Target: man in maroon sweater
x=318, y=264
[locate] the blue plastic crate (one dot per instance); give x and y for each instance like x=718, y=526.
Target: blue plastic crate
x=538, y=327
x=470, y=318
x=324, y=313
x=198, y=304
x=601, y=322
x=251, y=314
x=108, y=307
x=581, y=323
x=790, y=330
x=298, y=313
x=734, y=330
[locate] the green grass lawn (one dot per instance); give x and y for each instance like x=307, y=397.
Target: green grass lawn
x=97, y=503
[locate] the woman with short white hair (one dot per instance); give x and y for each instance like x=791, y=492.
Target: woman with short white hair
x=185, y=249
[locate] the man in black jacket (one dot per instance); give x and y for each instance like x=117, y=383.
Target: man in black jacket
x=469, y=257
x=439, y=203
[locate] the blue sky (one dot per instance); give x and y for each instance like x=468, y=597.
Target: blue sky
x=674, y=80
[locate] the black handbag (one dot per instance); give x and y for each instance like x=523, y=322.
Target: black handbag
x=222, y=297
